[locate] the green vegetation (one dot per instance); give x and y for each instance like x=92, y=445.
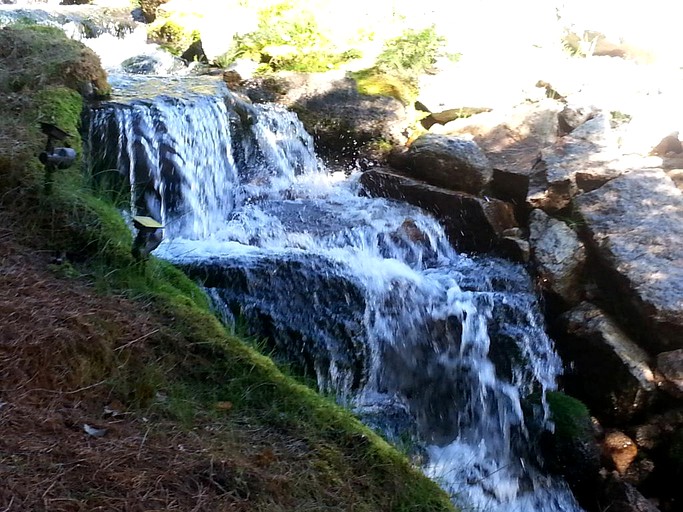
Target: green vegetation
x=288, y=38
x=184, y=373
x=172, y=36
x=571, y=417
x=401, y=62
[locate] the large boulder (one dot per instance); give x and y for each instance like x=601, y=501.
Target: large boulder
x=471, y=223
x=609, y=371
x=343, y=122
x=449, y=162
x=634, y=227
x=559, y=256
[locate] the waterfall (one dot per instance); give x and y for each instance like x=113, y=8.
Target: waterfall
x=365, y=294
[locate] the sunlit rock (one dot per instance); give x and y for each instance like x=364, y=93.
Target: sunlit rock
x=634, y=225
x=559, y=256
x=449, y=162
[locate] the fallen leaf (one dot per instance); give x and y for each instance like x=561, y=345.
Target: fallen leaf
x=223, y=406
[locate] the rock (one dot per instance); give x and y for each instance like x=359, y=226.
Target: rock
x=571, y=117
x=623, y=497
x=619, y=450
x=634, y=228
x=676, y=174
x=670, y=367
x=157, y=64
x=572, y=450
x=559, y=255
x=669, y=144
x=149, y=9
x=511, y=185
x=471, y=223
x=341, y=120
x=609, y=371
x=449, y=162
x=596, y=130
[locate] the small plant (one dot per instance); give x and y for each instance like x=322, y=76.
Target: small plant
x=402, y=60
x=287, y=38
x=412, y=53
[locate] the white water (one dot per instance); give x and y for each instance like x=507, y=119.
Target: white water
x=423, y=341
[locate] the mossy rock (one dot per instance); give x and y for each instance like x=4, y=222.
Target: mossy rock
x=572, y=450
x=29, y=60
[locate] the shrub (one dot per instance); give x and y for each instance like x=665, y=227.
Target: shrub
x=288, y=39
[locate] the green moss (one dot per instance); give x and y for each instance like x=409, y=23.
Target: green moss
x=173, y=36
x=571, y=417
x=373, y=81
x=30, y=62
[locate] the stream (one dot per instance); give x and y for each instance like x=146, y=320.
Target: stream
x=438, y=349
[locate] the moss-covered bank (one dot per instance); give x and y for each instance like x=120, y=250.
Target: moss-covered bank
x=184, y=374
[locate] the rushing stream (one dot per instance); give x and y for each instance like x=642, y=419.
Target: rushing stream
x=365, y=294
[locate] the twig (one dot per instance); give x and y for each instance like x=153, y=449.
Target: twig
x=122, y=347
x=142, y=443
x=9, y=507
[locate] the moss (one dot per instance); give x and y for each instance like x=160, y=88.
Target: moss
x=30, y=62
x=376, y=82
x=173, y=35
x=571, y=417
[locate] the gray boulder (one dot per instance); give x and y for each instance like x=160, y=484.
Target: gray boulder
x=449, y=162
x=559, y=255
x=634, y=229
x=609, y=371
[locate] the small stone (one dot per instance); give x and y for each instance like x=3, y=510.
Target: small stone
x=620, y=450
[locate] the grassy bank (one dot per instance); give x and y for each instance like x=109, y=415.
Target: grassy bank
x=120, y=389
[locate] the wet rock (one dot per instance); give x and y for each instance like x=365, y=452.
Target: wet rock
x=634, y=228
x=449, y=162
x=609, y=371
x=471, y=223
x=559, y=255
x=572, y=450
x=670, y=367
x=623, y=497
x=619, y=450
x=157, y=64
x=327, y=339
x=343, y=122
x=515, y=248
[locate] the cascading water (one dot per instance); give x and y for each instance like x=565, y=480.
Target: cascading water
x=366, y=293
